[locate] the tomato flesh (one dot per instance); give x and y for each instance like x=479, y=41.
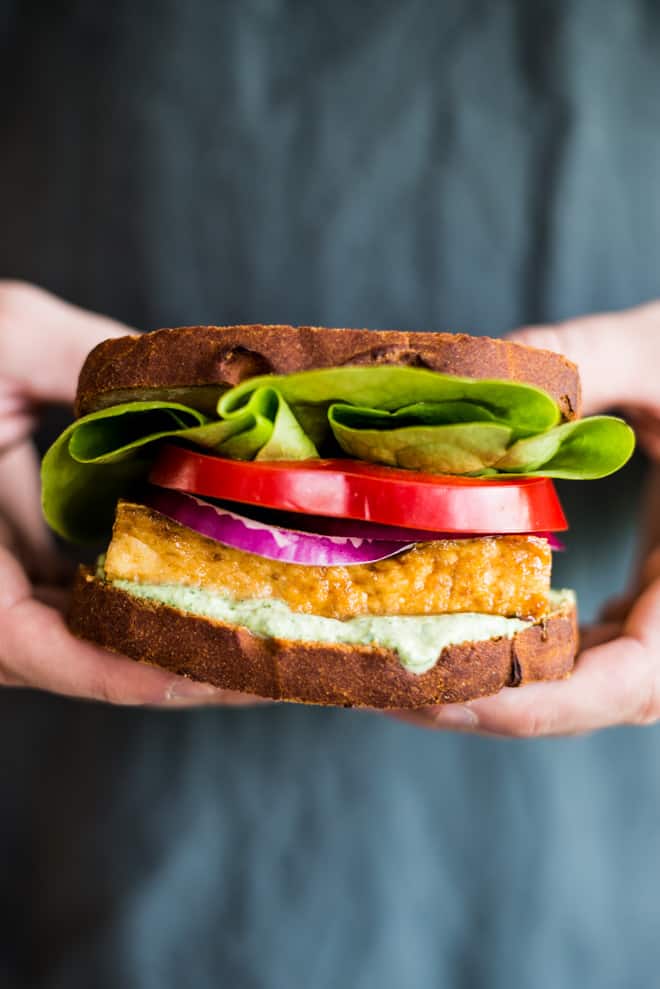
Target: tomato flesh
x=353, y=489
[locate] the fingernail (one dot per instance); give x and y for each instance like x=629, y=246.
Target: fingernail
x=183, y=689
x=456, y=716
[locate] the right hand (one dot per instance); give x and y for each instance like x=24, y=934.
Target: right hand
x=617, y=675
x=43, y=342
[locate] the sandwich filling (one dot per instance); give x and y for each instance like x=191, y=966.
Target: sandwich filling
x=417, y=640
x=417, y=603
x=420, y=502
x=498, y=575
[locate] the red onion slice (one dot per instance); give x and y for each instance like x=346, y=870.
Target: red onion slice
x=324, y=525
x=329, y=526
x=376, y=531
x=352, y=528
x=272, y=542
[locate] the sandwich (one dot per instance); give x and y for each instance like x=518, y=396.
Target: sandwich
x=343, y=517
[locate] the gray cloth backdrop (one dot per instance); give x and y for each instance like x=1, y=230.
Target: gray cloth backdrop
x=462, y=165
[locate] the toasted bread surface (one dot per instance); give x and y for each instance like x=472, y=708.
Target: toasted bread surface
x=200, y=357
x=231, y=657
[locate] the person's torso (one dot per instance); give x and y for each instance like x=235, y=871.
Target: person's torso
x=462, y=166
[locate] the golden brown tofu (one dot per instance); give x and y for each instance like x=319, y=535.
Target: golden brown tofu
x=499, y=575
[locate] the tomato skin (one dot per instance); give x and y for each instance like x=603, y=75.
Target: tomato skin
x=353, y=489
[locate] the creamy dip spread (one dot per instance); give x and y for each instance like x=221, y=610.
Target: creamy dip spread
x=418, y=640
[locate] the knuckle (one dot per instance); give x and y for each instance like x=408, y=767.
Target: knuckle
x=561, y=338
x=646, y=695
x=649, y=310
x=651, y=568
x=528, y=724
x=554, y=338
x=10, y=679
x=568, y=339
x=109, y=686
x=648, y=708
x=5, y=673
x=16, y=300
x=543, y=337
x=106, y=689
x=14, y=293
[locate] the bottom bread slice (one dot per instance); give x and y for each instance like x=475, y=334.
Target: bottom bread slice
x=231, y=657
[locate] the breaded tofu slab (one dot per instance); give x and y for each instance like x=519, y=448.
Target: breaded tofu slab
x=498, y=575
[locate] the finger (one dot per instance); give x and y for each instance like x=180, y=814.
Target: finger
x=650, y=570
x=617, y=354
x=37, y=650
x=608, y=687
x=646, y=424
x=15, y=429
x=44, y=340
x=643, y=418
x=465, y=717
x=55, y=597
x=449, y=717
x=50, y=658
x=17, y=414
x=616, y=682
x=8, y=537
x=595, y=635
x=618, y=609
x=643, y=622
x=20, y=509
x=216, y=697
x=650, y=513
x=613, y=683
x=649, y=441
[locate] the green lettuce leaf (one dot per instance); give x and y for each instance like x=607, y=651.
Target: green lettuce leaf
x=421, y=437
x=526, y=410
x=99, y=457
x=578, y=451
x=418, y=437
x=264, y=428
x=406, y=417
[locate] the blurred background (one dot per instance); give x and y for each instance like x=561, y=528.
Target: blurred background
x=468, y=166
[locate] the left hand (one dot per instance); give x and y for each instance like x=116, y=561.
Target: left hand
x=617, y=675
x=43, y=342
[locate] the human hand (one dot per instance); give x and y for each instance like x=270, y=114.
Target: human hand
x=43, y=342
x=617, y=676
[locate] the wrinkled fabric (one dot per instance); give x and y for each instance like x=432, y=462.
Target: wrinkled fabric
x=464, y=165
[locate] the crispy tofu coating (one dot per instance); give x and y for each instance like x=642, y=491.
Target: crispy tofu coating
x=499, y=575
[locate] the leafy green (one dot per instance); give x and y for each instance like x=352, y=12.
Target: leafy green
x=421, y=413
x=264, y=428
x=402, y=416
x=419, y=437
x=525, y=409
x=99, y=457
x=584, y=450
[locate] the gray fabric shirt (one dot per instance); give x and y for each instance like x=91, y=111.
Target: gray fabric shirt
x=462, y=165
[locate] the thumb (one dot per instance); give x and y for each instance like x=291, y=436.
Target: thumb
x=617, y=355
x=44, y=341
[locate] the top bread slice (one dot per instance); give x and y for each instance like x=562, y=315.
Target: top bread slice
x=198, y=357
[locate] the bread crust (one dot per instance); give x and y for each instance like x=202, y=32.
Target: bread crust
x=314, y=673
x=200, y=356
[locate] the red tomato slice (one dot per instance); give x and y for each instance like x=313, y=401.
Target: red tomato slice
x=353, y=489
